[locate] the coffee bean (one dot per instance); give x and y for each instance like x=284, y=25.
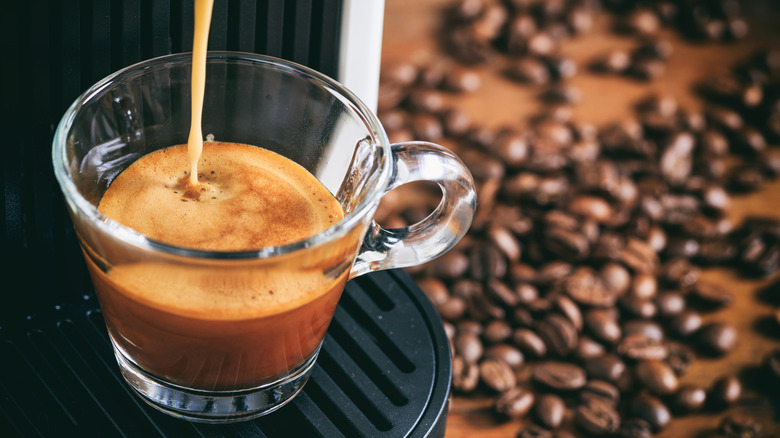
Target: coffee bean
x=560, y=376
x=740, y=426
x=689, y=398
x=656, y=376
x=608, y=367
x=600, y=390
x=533, y=431
x=462, y=80
x=670, y=304
x=725, y=391
x=434, y=289
x=451, y=265
x=559, y=334
x=505, y=241
x=717, y=338
x=507, y=354
x=639, y=307
x=616, y=277
x=529, y=342
x=452, y=309
x=711, y=295
x=514, y=403
x=587, y=348
x=585, y=286
x=455, y=121
x=549, y=410
x=639, y=346
x=679, y=357
x=650, y=409
x=497, y=331
x=497, y=375
x=602, y=325
x=597, y=418
x=685, y=323
x=636, y=428
x=465, y=375
x=570, y=310
x=529, y=70
x=649, y=329
x=772, y=365
x=468, y=346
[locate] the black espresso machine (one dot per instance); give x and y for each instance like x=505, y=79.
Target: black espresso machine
x=384, y=369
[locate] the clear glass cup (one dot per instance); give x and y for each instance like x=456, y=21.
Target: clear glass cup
x=237, y=359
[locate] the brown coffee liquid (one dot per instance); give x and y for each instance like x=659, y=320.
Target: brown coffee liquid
x=217, y=324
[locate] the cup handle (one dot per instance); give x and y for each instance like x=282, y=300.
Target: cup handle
x=433, y=236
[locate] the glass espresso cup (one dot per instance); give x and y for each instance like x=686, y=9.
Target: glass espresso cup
x=226, y=336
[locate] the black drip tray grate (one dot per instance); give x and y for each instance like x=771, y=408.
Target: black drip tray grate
x=384, y=370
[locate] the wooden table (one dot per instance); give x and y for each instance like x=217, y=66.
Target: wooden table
x=409, y=35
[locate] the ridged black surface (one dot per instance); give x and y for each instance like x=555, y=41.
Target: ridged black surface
x=383, y=371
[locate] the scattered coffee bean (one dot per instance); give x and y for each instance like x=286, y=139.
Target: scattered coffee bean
x=596, y=417
x=514, y=403
x=549, y=410
x=689, y=398
x=601, y=390
x=497, y=375
x=533, y=431
x=740, y=426
x=717, y=338
x=636, y=428
x=608, y=367
x=725, y=391
x=650, y=409
x=560, y=376
x=656, y=376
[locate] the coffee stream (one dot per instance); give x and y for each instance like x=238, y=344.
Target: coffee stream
x=200, y=40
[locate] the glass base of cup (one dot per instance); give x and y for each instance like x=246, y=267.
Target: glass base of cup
x=214, y=406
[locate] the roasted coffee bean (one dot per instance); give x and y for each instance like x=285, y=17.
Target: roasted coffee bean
x=451, y=265
x=501, y=293
x=549, y=410
x=505, y=241
x=529, y=343
x=636, y=428
x=560, y=376
x=434, y=289
x=585, y=286
x=638, y=307
x=559, y=334
x=602, y=325
x=455, y=121
x=497, y=375
x=647, y=328
x=465, y=375
x=600, y=390
x=650, y=409
x=616, y=278
x=514, y=403
x=587, y=348
x=642, y=347
x=597, y=418
x=452, y=309
x=497, y=331
x=468, y=346
x=772, y=365
x=487, y=262
x=725, y=391
x=608, y=367
x=679, y=357
x=508, y=354
x=570, y=310
x=526, y=293
x=656, y=376
x=711, y=295
x=642, y=22
x=685, y=323
x=529, y=70
x=644, y=286
x=689, y=398
x=462, y=80
x=740, y=426
x=670, y=304
x=717, y=338
x=533, y=431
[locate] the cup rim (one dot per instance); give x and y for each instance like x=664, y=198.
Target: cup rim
x=81, y=205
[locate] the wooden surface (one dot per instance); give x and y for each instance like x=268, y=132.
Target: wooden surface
x=409, y=29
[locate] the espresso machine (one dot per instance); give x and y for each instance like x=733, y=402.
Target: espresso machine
x=384, y=368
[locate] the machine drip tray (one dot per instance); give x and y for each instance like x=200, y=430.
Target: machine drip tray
x=383, y=371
